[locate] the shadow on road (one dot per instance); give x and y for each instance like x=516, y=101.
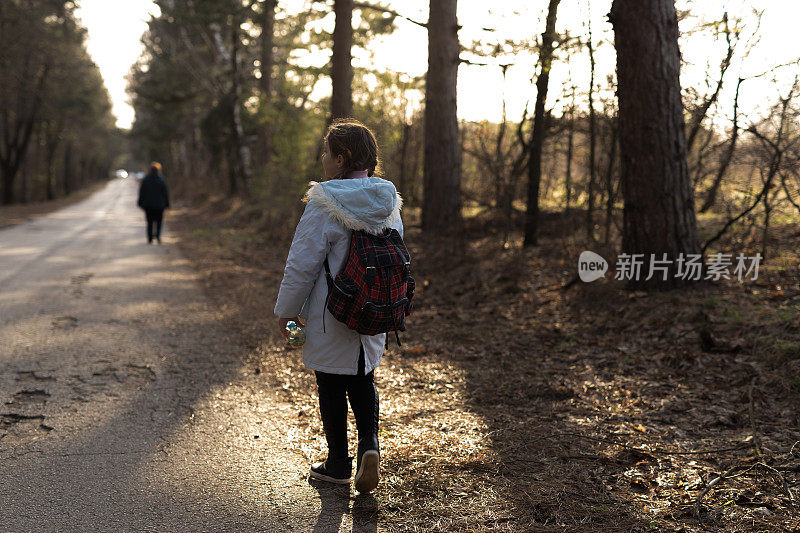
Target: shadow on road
x=157, y=423
x=336, y=503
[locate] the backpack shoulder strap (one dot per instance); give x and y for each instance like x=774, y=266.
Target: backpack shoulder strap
x=328, y=275
x=328, y=271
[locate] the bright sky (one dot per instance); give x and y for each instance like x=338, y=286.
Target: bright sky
x=116, y=25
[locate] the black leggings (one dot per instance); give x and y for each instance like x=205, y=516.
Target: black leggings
x=333, y=391
x=154, y=216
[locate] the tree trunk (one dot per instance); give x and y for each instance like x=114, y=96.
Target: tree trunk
x=243, y=158
x=68, y=169
x=24, y=189
x=341, y=68
x=267, y=61
x=592, y=141
x=82, y=171
x=765, y=232
x=17, y=136
x=570, y=149
x=659, y=215
x=91, y=172
x=537, y=139
x=612, y=156
x=50, y=151
x=504, y=173
x=267, y=44
x=441, y=202
x=9, y=174
x=403, y=178
x=504, y=192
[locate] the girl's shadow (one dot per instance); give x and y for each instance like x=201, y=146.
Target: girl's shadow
x=335, y=500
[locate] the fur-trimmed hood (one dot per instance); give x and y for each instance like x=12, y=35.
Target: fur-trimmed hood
x=370, y=203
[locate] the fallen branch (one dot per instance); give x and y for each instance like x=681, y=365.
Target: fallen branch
x=776, y=470
x=715, y=482
x=782, y=479
x=750, y=409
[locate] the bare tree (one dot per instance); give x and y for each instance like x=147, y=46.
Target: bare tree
x=701, y=111
x=775, y=152
x=503, y=160
x=537, y=139
x=569, y=154
x=265, y=82
x=592, y=135
x=609, y=177
x=727, y=157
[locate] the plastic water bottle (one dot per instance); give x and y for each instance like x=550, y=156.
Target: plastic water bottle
x=297, y=335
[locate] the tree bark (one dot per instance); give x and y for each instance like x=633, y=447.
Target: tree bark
x=52, y=140
x=659, y=216
x=341, y=67
x=441, y=202
x=537, y=139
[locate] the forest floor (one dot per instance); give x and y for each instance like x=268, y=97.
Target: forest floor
x=514, y=404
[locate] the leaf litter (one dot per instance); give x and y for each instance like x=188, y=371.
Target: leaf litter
x=514, y=405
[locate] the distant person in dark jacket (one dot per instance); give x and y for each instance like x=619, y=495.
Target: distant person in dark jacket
x=153, y=198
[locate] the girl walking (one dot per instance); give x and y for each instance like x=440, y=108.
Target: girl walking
x=343, y=360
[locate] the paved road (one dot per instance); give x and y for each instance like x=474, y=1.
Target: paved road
x=124, y=405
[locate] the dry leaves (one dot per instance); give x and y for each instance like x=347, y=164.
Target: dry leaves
x=511, y=407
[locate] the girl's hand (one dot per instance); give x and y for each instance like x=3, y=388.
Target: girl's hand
x=284, y=321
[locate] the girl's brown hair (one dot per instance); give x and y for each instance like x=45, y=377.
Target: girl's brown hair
x=355, y=143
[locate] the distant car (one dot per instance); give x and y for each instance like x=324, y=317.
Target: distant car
x=137, y=175
x=120, y=173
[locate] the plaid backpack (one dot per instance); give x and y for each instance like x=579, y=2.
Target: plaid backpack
x=374, y=291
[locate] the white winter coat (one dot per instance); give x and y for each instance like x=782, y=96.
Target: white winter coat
x=334, y=207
